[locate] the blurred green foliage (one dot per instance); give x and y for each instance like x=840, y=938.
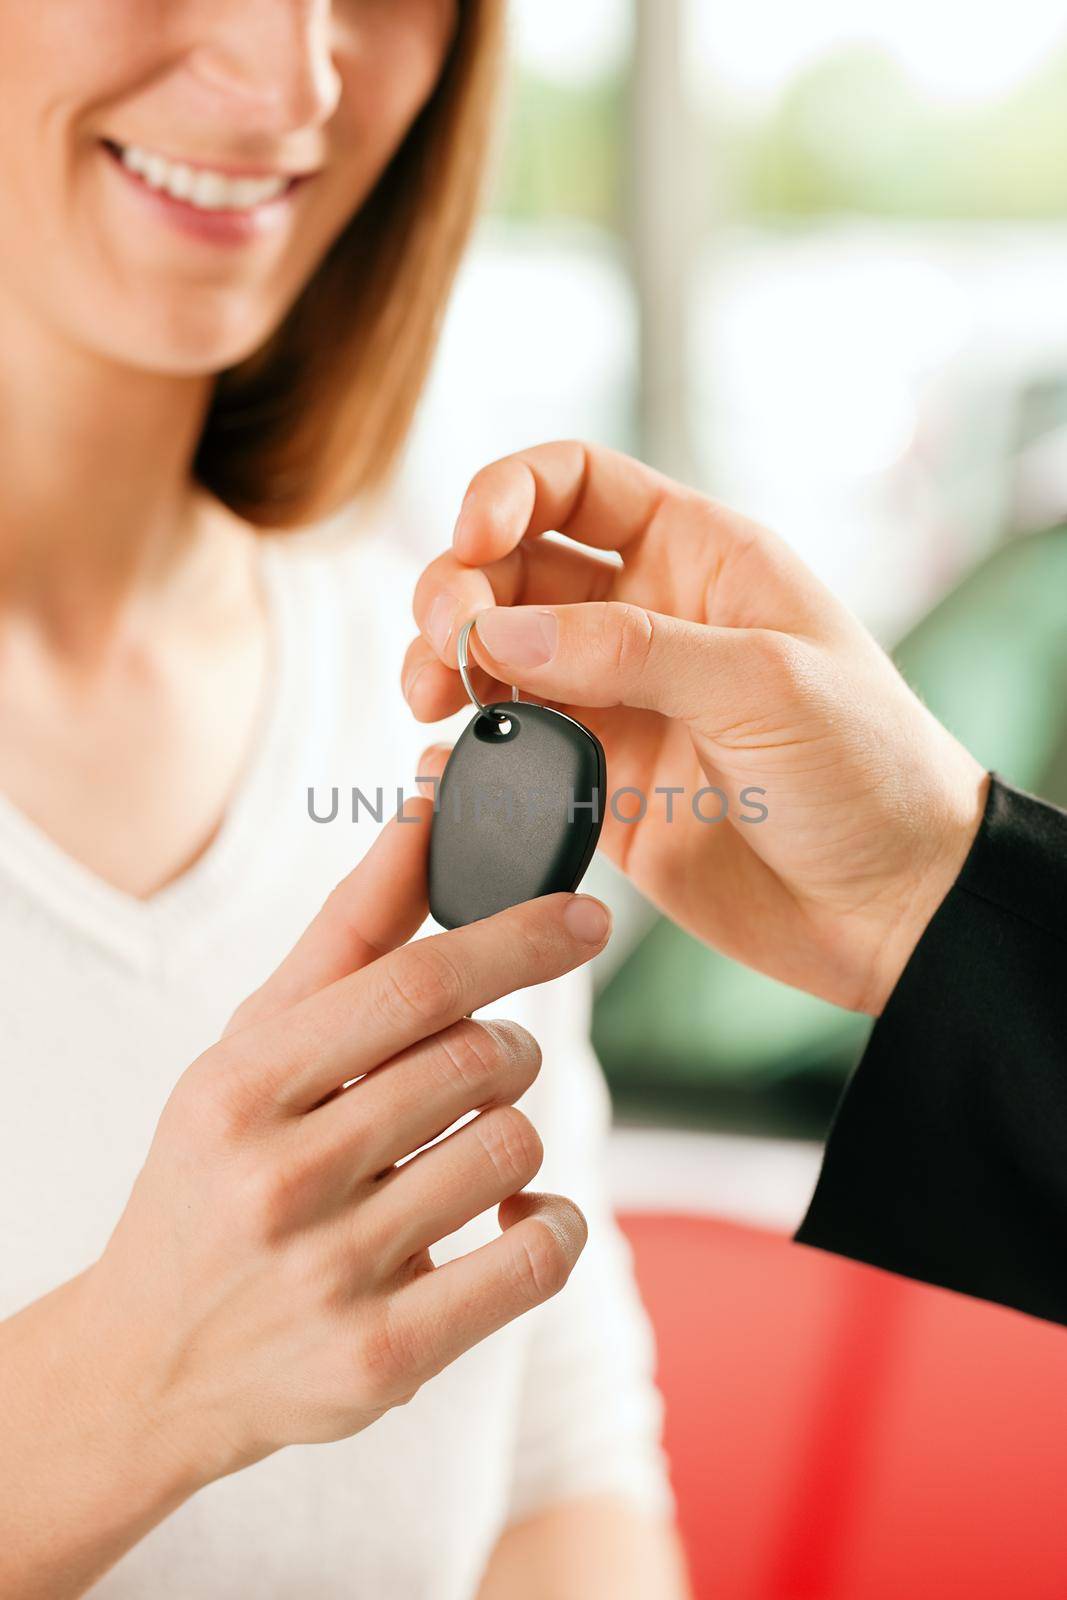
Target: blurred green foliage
x=565, y=154
x=853, y=133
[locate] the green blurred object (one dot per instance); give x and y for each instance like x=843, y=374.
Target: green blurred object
x=685, y=1034
x=991, y=662
x=564, y=155
x=854, y=133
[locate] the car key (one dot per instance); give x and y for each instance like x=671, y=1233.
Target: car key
x=519, y=808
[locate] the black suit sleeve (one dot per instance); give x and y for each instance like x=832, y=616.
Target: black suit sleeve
x=947, y=1159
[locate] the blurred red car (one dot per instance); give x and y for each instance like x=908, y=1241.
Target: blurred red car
x=839, y=1434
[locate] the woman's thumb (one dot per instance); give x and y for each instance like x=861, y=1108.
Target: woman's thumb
x=380, y=905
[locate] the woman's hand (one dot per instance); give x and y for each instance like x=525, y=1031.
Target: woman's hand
x=273, y=1256
x=270, y=1281
x=711, y=657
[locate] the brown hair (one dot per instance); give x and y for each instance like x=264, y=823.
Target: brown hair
x=320, y=412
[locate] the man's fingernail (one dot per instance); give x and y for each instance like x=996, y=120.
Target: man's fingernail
x=587, y=919
x=439, y=621
x=436, y=757
x=408, y=686
x=462, y=514
x=524, y=637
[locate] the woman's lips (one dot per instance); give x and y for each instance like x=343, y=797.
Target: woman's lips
x=226, y=226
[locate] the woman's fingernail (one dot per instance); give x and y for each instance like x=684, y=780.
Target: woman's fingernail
x=439, y=621
x=587, y=919
x=524, y=637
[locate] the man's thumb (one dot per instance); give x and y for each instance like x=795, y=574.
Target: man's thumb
x=607, y=653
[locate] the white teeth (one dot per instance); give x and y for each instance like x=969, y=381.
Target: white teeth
x=199, y=186
x=208, y=191
x=180, y=183
x=155, y=170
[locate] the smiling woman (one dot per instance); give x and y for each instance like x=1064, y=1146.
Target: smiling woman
x=380, y=111
x=230, y=230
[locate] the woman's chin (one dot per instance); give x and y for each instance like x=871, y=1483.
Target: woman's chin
x=185, y=342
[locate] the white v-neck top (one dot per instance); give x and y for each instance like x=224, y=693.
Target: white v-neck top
x=105, y=999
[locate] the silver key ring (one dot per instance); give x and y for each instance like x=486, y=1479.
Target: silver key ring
x=461, y=655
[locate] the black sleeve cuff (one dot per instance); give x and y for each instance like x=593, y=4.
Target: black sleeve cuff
x=947, y=1159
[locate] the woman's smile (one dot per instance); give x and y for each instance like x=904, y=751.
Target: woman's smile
x=157, y=203
x=216, y=203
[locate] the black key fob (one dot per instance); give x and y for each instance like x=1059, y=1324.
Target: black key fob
x=519, y=811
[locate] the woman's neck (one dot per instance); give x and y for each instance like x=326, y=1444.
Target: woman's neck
x=133, y=637
x=99, y=515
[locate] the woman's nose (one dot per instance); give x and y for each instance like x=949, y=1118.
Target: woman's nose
x=272, y=60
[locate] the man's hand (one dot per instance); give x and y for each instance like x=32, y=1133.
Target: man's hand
x=710, y=658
